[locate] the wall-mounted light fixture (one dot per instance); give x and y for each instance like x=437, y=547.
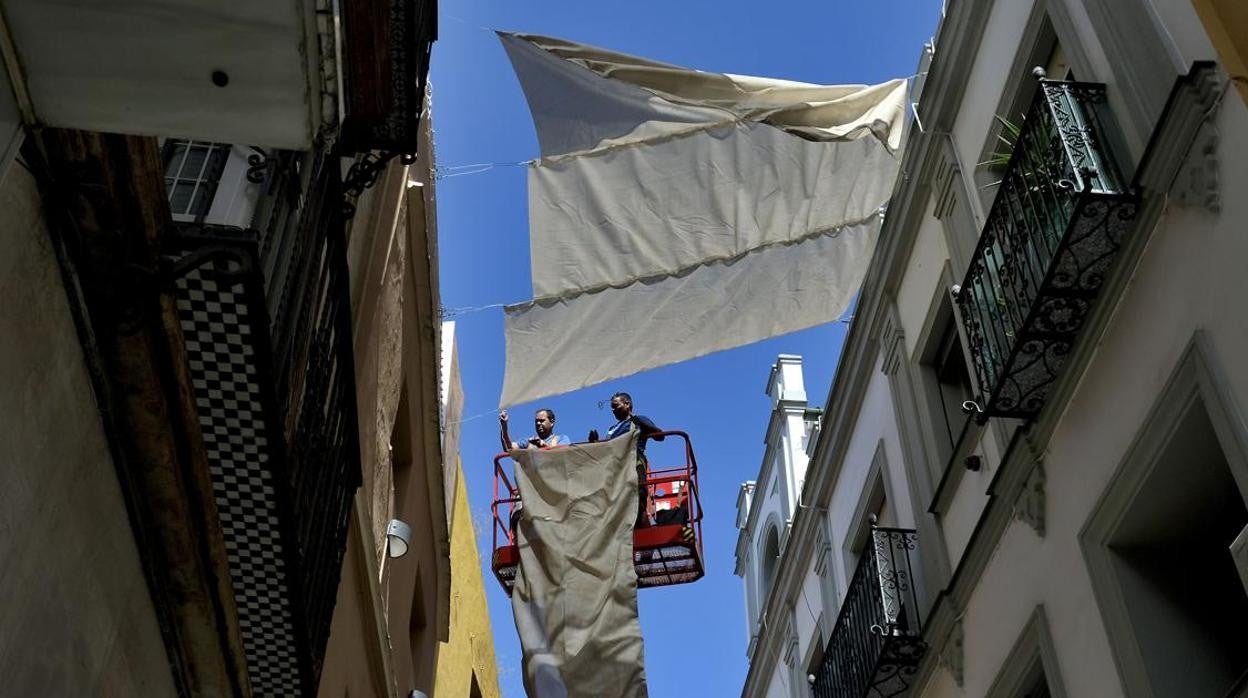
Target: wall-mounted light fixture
x=398, y=538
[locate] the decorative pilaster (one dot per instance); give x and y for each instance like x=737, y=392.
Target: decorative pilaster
x=790, y=650
x=823, y=555
x=943, y=191
x=892, y=345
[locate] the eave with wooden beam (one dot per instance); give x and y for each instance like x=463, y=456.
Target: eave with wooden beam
x=104, y=197
x=222, y=362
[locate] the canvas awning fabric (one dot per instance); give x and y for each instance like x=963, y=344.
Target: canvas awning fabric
x=675, y=212
x=575, y=594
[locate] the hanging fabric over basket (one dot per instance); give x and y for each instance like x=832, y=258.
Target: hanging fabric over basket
x=674, y=213
x=575, y=593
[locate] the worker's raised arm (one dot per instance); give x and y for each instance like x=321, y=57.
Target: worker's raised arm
x=503, y=435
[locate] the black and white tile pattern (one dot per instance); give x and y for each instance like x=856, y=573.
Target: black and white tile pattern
x=225, y=372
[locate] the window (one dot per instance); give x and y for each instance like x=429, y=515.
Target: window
x=1159, y=547
x=1030, y=670
x=475, y=691
x=1049, y=55
x=1050, y=41
x=192, y=171
x=874, y=508
x=946, y=381
x=771, y=560
x=1172, y=559
x=953, y=383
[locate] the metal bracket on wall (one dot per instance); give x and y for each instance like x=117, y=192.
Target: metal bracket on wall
x=364, y=173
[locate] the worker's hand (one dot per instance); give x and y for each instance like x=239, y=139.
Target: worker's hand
x=502, y=416
x=593, y=435
x=534, y=441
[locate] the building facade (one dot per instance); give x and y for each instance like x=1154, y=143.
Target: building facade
x=393, y=605
x=224, y=357
x=466, y=662
x=1030, y=477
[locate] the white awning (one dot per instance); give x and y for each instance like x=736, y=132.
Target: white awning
x=674, y=213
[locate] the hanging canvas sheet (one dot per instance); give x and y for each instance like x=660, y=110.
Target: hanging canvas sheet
x=674, y=213
x=575, y=593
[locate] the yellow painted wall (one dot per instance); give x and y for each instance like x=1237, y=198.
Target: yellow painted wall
x=1226, y=21
x=471, y=646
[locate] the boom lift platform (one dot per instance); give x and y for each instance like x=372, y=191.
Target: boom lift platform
x=665, y=553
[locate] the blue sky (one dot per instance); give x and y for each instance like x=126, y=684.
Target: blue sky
x=695, y=635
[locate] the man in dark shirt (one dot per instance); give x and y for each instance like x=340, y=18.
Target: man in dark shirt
x=622, y=408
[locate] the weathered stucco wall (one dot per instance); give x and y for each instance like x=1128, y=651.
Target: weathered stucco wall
x=352, y=662
x=387, y=606
x=77, y=619
x=470, y=651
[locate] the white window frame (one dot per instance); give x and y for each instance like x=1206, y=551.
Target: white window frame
x=1033, y=653
x=1197, y=377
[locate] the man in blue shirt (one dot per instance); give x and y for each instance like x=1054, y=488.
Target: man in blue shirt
x=543, y=424
x=622, y=408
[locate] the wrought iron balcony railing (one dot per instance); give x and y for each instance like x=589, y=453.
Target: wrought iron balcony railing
x=876, y=644
x=265, y=313
x=1054, y=230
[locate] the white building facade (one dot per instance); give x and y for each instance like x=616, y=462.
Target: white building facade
x=1031, y=472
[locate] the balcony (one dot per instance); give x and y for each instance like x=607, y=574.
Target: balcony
x=265, y=315
x=1052, y=236
x=388, y=44
x=876, y=644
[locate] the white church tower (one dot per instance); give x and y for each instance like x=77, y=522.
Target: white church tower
x=765, y=506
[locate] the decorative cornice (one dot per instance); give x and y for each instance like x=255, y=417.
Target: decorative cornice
x=1030, y=504
x=1197, y=182
x=892, y=343
x=790, y=650
x=823, y=556
x=945, y=194
x=743, y=553
x=1192, y=102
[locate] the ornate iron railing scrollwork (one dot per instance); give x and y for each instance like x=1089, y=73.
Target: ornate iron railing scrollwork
x=259, y=164
x=363, y=174
x=1054, y=230
x=876, y=643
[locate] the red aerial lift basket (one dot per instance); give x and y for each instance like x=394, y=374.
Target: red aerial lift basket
x=667, y=552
